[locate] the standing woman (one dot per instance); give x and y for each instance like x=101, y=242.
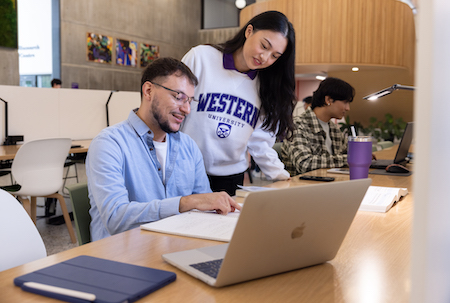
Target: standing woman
x=245, y=100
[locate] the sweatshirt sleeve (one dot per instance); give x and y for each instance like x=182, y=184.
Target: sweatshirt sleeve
x=260, y=148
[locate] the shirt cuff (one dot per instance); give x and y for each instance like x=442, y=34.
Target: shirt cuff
x=170, y=207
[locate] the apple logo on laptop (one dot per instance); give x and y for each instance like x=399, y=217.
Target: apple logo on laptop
x=298, y=231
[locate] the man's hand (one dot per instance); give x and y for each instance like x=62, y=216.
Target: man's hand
x=221, y=202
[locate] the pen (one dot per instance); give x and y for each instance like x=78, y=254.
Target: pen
x=62, y=291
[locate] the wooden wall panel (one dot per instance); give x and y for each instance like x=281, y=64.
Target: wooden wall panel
x=347, y=32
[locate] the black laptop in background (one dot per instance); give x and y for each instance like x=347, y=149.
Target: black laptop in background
x=402, y=151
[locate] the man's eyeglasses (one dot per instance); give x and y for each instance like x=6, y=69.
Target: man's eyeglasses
x=181, y=97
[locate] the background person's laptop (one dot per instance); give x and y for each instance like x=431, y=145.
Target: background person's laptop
x=278, y=231
x=402, y=151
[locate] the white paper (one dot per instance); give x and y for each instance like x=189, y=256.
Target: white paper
x=255, y=188
x=197, y=224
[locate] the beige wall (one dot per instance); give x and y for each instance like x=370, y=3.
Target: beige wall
x=217, y=36
x=9, y=67
x=171, y=24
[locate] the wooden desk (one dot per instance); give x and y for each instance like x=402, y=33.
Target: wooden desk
x=371, y=266
x=8, y=152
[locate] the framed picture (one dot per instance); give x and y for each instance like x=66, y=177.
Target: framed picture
x=126, y=52
x=149, y=53
x=99, y=48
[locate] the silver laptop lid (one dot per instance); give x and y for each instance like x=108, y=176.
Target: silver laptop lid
x=280, y=230
x=291, y=228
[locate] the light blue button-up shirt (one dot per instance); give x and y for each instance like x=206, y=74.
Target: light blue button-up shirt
x=125, y=177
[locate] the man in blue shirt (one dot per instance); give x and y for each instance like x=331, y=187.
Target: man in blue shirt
x=143, y=169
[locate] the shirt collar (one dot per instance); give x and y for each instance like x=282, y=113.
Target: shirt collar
x=228, y=63
x=139, y=126
x=315, y=124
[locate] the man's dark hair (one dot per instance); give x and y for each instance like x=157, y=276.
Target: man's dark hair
x=165, y=67
x=307, y=100
x=334, y=88
x=56, y=82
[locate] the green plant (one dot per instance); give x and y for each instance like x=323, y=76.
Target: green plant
x=8, y=23
x=388, y=129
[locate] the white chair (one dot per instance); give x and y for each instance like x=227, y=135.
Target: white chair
x=38, y=169
x=21, y=241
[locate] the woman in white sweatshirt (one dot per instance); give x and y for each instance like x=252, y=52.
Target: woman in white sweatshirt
x=245, y=100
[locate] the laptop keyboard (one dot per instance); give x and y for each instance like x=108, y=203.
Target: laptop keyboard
x=211, y=268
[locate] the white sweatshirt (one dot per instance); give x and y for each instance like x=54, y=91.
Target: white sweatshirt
x=226, y=121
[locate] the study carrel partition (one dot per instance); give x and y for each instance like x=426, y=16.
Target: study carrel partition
x=39, y=113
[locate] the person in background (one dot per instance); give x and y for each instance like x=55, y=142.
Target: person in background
x=316, y=141
x=56, y=83
x=302, y=106
x=246, y=98
x=307, y=102
x=143, y=169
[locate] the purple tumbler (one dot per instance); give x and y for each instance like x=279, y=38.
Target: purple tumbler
x=359, y=156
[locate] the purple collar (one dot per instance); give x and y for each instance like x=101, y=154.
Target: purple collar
x=228, y=63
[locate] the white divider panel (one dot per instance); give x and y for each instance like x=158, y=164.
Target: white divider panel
x=121, y=104
x=38, y=113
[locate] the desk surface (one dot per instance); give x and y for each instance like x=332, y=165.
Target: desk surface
x=8, y=152
x=371, y=266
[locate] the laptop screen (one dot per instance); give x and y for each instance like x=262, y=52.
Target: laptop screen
x=405, y=144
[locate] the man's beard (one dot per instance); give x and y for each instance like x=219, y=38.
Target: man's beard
x=164, y=125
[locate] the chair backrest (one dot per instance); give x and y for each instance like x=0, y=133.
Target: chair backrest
x=39, y=165
x=385, y=144
x=79, y=197
x=277, y=148
x=20, y=239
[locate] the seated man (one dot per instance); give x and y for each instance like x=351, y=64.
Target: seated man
x=317, y=142
x=143, y=169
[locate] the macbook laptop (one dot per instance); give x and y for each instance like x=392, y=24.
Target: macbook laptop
x=402, y=151
x=278, y=231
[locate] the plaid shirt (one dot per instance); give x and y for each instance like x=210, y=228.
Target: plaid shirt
x=307, y=151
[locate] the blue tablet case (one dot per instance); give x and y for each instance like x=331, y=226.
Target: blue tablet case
x=110, y=281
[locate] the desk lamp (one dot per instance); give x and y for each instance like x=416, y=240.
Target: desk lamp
x=387, y=91
x=9, y=140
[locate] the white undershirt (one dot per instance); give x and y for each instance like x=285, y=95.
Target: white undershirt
x=161, y=155
x=326, y=128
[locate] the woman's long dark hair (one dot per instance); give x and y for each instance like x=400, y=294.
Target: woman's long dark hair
x=277, y=82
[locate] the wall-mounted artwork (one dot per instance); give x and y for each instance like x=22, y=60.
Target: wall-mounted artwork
x=126, y=52
x=99, y=48
x=149, y=53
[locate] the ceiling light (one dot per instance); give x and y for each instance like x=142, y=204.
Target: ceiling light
x=355, y=69
x=240, y=4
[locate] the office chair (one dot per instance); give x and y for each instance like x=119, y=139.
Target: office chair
x=38, y=170
x=277, y=148
x=20, y=239
x=79, y=197
x=385, y=144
